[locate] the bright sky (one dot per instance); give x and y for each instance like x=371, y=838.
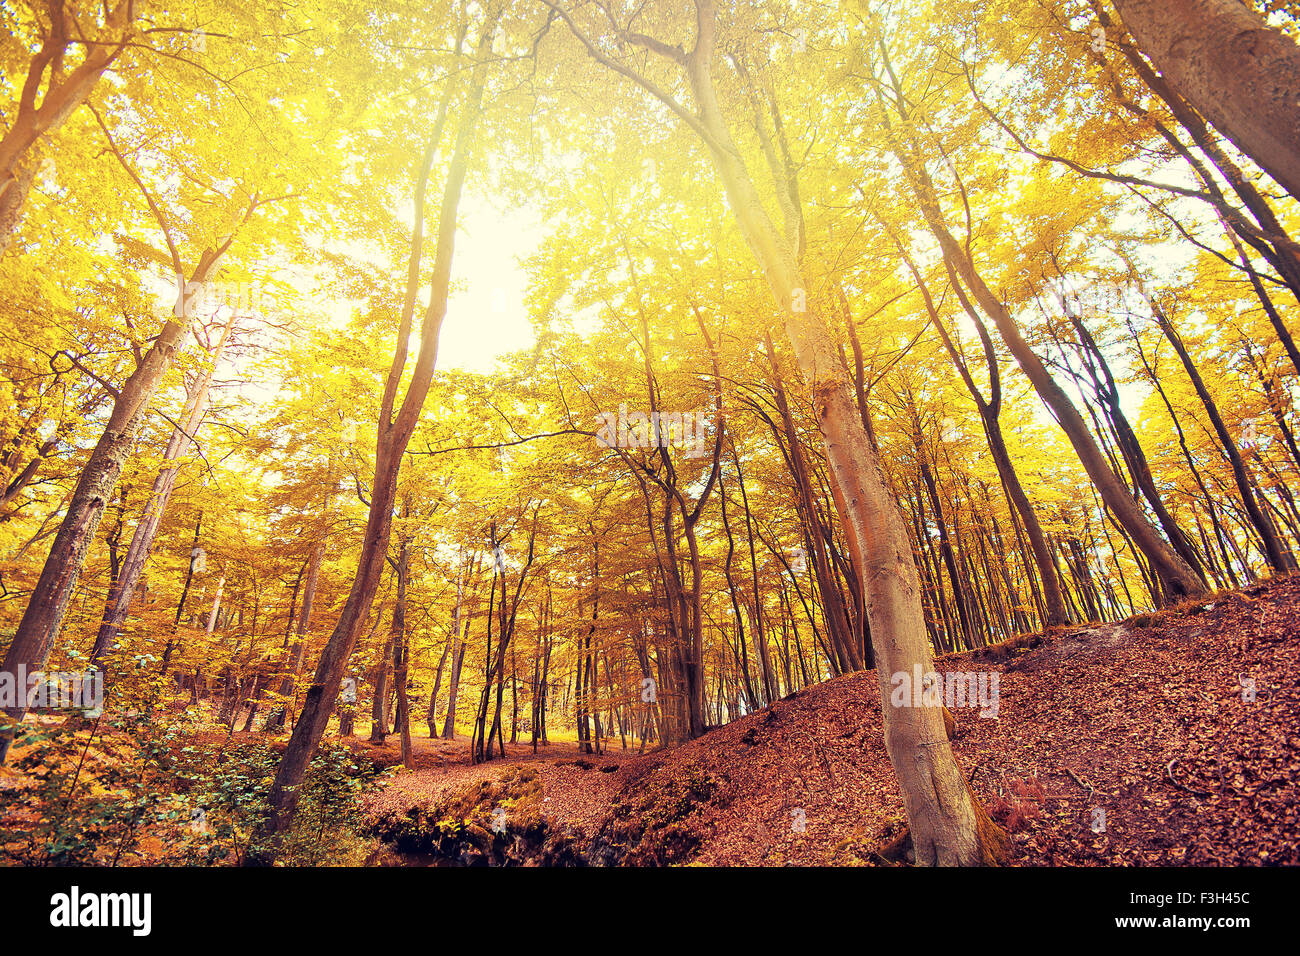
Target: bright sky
x=486, y=317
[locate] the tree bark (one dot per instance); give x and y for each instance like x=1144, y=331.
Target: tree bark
x=1233, y=68
x=1276, y=553
x=276, y=720
x=393, y=436
x=400, y=654
x=431, y=716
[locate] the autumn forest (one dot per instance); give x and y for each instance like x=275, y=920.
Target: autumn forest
x=649, y=432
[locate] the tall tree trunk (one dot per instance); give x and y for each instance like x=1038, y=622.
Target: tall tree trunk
x=1126, y=438
x=448, y=650
x=39, y=626
x=393, y=436
x=431, y=716
x=287, y=683
x=947, y=824
x=180, y=605
x=834, y=607
x=216, y=604
x=449, y=719
x=401, y=654
x=1279, y=557
x=946, y=551
x=1233, y=68
x=379, y=702
x=746, y=684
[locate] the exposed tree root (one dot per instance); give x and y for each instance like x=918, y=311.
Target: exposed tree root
x=995, y=845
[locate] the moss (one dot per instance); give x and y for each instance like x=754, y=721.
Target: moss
x=995, y=845
x=895, y=847
x=652, y=828
x=1013, y=646
x=462, y=825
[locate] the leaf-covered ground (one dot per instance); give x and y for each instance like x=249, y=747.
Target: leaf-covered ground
x=1152, y=722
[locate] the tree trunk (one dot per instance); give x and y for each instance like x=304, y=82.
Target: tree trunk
x=1233, y=68
x=394, y=434
x=449, y=719
x=275, y=722
x=947, y=824
x=1276, y=553
x=400, y=655
x=431, y=716
x=379, y=703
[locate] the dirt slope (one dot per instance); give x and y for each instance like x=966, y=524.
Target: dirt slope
x=1147, y=721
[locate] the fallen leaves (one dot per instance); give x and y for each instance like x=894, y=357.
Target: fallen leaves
x=1114, y=746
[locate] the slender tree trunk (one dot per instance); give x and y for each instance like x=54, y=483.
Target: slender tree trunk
x=449, y=720
x=1179, y=578
x=401, y=654
x=733, y=591
x=431, y=716
x=946, y=552
x=379, y=703
x=275, y=721
x=394, y=434
x=216, y=604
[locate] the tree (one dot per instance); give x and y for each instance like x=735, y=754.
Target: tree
x=945, y=818
x=394, y=434
x=183, y=435
x=62, y=77
x=1233, y=68
x=40, y=623
x=1178, y=578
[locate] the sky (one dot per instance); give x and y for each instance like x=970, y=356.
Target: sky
x=486, y=317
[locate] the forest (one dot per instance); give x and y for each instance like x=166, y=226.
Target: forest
x=865, y=433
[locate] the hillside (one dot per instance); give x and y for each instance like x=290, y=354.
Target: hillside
x=1145, y=720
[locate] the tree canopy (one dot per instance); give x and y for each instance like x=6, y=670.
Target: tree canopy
x=857, y=333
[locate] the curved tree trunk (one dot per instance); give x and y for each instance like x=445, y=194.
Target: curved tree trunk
x=394, y=434
x=1278, y=555
x=990, y=411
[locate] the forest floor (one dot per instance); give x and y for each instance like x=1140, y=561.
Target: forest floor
x=1150, y=722
x=1135, y=743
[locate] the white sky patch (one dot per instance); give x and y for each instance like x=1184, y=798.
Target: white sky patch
x=486, y=315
